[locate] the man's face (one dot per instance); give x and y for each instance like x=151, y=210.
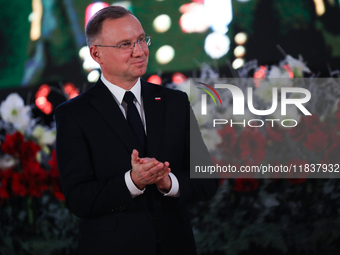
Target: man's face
x=117, y=66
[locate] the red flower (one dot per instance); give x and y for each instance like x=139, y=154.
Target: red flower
x=53, y=164
x=55, y=184
x=54, y=179
x=33, y=170
x=275, y=133
x=36, y=178
x=54, y=173
x=228, y=135
x=35, y=188
x=4, y=181
x=299, y=132
x=12, y=143
x=3, y=190
x=59, y=195
x=332, y=154
x=56, y=189
x=5, y=177
x=314, y=123
x=252, y=146
x=28, y=151
x=317, y=141
x=18, y=184
x=245, y=184
x=53, y=161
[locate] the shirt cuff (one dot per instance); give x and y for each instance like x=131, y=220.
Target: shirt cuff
x=174, y=191
x=134, y=191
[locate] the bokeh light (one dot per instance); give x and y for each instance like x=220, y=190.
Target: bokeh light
x=241, y=38
x=178, y=78
x=41, y=99
x=162, y=23
x=216, y=45
x=71, y=90
x=237, y=63
x=239, y=51
x=155, y=79
x=93, y=76
x=165, y=54
x=193, y=19
x=92, y=9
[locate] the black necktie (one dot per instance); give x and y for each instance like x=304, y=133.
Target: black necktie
x=134, y=120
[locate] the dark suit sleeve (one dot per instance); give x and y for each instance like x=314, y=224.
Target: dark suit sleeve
x=191, y=189
x=86, y=196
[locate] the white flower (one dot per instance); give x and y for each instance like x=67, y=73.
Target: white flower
x=44, y=136
x=211, y=138
x=13, y=111
x=49, y=137
x=279, y=77
x=24, y=119
x=38, y=131
x=9, y=108
x=297, y=65
x=276, y=72
x=265, y=92
x=7, y=161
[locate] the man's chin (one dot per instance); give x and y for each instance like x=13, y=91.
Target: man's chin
x=139, y=72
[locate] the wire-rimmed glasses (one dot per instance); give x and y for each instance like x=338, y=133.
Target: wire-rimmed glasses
x=143, y=43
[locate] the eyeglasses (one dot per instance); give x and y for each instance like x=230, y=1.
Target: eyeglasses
x=143, y=43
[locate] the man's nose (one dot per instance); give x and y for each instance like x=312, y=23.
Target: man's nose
x=137, y=49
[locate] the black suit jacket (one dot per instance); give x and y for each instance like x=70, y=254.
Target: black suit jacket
x=94, y=146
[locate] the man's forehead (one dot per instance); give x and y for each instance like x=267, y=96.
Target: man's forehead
x=128, y=23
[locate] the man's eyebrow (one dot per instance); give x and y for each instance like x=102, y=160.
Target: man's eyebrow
x=127, y=40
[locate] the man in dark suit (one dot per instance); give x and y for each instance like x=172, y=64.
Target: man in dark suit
x=129, y=188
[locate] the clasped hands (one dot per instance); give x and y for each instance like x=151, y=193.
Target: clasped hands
x=147, y=171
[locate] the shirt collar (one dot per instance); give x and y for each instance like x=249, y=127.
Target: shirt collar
x=119, y=92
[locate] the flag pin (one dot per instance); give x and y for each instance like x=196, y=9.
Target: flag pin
x=157, y=98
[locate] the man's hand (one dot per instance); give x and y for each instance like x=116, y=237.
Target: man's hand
x=163, y=184
x=149, y=171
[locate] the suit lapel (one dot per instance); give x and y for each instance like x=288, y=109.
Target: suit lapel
x=109, y=110
x=153, y=103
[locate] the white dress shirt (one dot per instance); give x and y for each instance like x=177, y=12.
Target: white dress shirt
x=118, y=94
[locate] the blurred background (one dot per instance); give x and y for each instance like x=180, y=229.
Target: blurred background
x=42, y=41
x=45, y=60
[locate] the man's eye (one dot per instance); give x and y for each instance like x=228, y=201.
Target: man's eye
x=142, y=39
x=126, y=45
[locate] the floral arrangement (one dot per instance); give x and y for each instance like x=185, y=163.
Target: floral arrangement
x=34, y=219
x=279, y=215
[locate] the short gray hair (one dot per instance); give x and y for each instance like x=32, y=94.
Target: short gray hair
x=94, y=26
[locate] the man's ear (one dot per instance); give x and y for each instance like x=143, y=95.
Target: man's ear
x=96, y=54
